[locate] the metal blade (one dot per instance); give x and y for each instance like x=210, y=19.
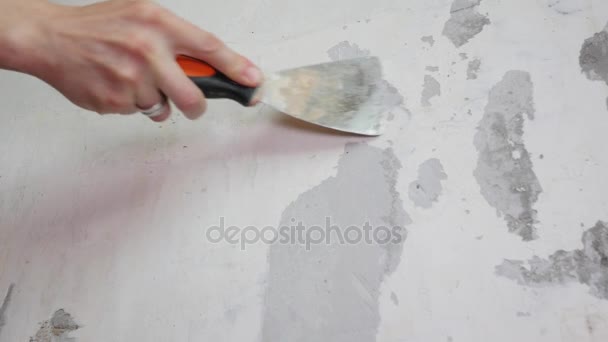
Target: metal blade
x=343, y=95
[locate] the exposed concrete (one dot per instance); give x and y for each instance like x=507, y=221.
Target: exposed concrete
x=594, y=57
x=320, y=293
x=473, y=69
x=427, y=188
x=430, y=89
x=504, y=168
x=428, y=39
x=465, y=22
x=588, y=265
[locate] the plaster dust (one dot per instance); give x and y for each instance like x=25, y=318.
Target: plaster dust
x=320, y=292
x=56, y=329
x=389, y=93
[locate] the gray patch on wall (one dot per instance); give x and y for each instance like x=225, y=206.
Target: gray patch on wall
x=432, y=68
x=504, y=168
x=594, y=57
x=427, y=188
x=465, y=22
x=345, y=50
x=330, y=291
x=56, y=329
x=428, y=39
x=430, y=89
x=5, y=303
x=473, y=69
x=567, y=7
x=588, y=265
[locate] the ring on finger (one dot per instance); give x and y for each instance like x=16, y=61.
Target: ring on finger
x=155, y=110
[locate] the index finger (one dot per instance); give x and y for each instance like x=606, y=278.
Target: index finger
x=190, y=40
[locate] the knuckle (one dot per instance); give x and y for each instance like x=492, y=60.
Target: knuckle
x=142, y=46
x=132, y=75
x=148, y=11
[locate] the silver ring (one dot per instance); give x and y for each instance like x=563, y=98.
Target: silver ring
x=155, y=110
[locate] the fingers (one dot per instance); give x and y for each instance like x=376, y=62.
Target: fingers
x=148, y=98
x=174, y=83
x=191, y=40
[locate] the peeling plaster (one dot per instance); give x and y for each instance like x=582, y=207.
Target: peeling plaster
x=465, y=22
x=321, y=293
x=588, y=265
x=504, y=169
x=56, y=329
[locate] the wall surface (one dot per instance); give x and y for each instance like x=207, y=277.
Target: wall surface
x=491, y=176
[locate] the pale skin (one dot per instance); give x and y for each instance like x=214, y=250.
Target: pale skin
x=116, y=56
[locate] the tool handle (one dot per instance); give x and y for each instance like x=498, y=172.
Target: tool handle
x=213, y=83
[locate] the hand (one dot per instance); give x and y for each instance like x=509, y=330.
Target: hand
x=116, y=56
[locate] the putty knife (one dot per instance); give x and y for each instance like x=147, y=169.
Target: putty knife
x=343, y=95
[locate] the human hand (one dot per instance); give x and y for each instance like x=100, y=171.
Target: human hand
x=117, y=56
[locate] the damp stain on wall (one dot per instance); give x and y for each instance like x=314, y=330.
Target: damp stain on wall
x=388, y=93
x=504, y=169
x=329, y=291
x=427, y=188
x=56, y=329
x=588, y=265
x=465, y=22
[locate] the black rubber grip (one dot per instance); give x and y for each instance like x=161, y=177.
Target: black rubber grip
x=219, y=86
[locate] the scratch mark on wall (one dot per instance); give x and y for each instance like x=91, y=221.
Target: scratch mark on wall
x=427, y=188
x=588, y=265
x=330, y=291
x=5, y=303
x=594, y=57
x=389, y=93
x=56, y=329
x=504, y=169
x=430, y=89
x=465, y=22
x=473, y=69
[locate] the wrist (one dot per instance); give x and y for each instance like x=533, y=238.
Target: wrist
x=22, y=32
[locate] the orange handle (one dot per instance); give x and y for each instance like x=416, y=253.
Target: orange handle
x=194, y=67
x=213, y=83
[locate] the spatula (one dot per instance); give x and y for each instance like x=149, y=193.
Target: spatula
x=344, y=95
